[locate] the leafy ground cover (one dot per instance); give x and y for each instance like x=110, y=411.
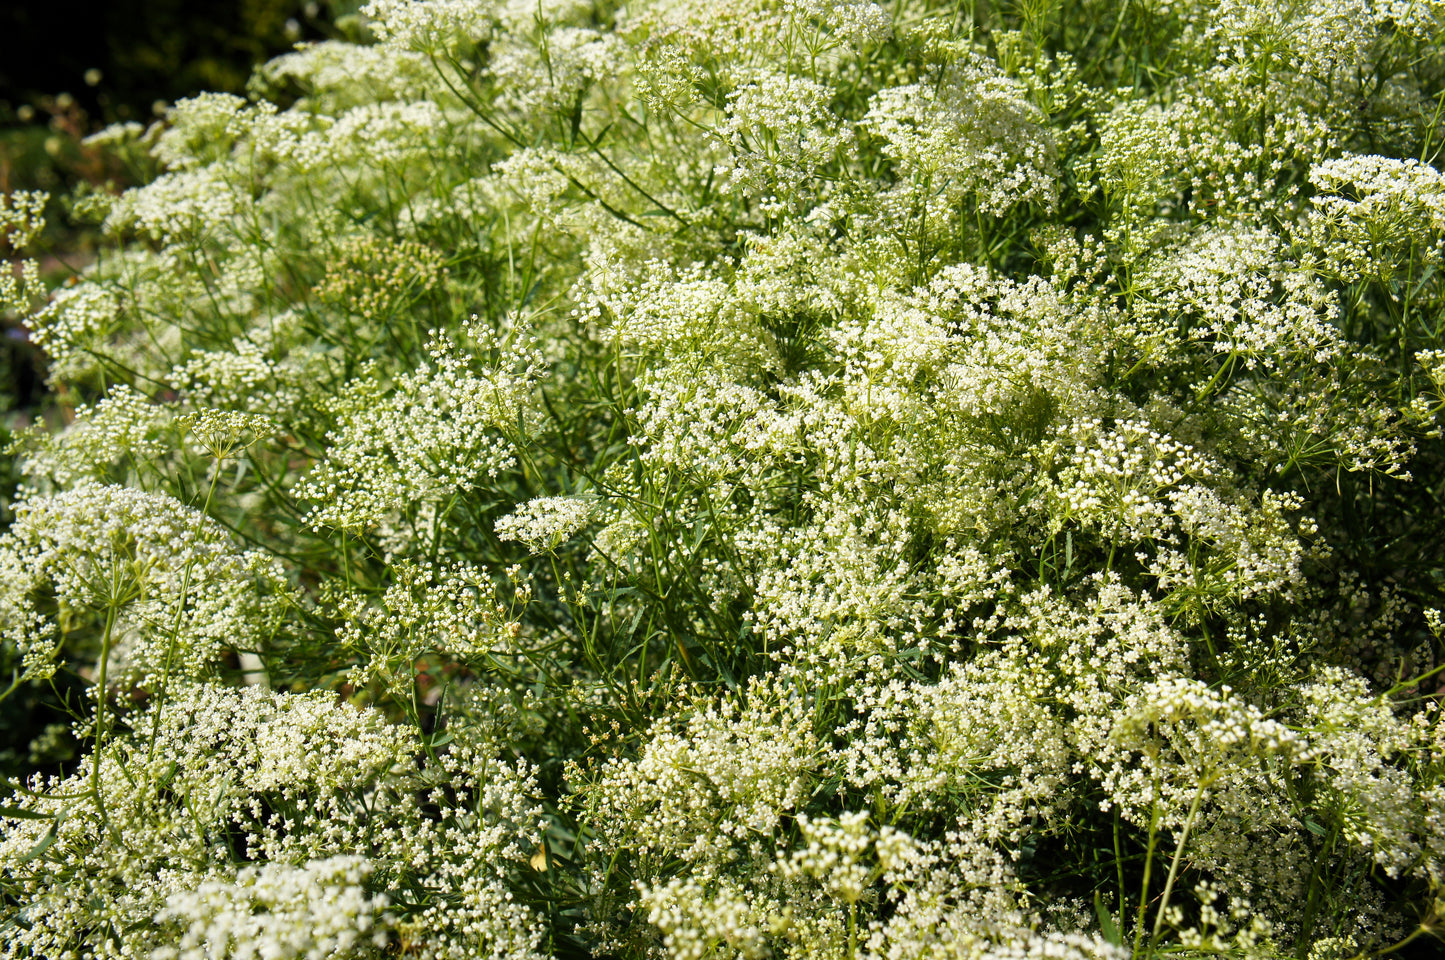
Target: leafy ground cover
x=745, y=479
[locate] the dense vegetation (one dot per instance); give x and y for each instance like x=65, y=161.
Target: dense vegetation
x=750, y=478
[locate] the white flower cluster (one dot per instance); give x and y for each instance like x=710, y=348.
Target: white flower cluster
x=453, y=612
x=168, y=582
x=409, y=24
x=724, y=780
x=696, y=925
x=71, y=325
x=780, y=133
x=1372, y=213
x=22, y=217
x=967, y=132
x=317, y=910
x=222, y=433
x=545, y=523
x=809, y=479
x=437, y=433
x=182, y=206
x=123, y=424
x=290, y=781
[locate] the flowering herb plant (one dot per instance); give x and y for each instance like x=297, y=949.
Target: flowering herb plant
x=763, y=478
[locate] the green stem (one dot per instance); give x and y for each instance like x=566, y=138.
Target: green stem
x=15, y=677
x=176, y=624
x=1119, y=867
x=1148, y=869
x=1174, y=865
x=111, y=611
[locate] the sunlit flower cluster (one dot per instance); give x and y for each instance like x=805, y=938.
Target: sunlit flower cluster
x=804, y=479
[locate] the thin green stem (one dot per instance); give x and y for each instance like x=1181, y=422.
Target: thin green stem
x=1174, y=865
x=1148, y=870
x=112, y=611
x=174, y=638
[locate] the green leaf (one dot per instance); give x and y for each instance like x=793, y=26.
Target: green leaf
x=44, y=844
x=1107, y=926
x=17, y=813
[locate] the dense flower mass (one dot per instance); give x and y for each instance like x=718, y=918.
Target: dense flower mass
x=758, y=478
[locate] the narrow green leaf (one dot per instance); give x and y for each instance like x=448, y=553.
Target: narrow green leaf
x=44, y=844
x=17, y=813
x=1107, y=926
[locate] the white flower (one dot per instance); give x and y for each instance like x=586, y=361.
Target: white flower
x=546, y=523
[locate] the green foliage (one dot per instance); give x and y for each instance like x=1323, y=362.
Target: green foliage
x=800, y=479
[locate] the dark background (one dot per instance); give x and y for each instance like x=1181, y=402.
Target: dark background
x=145, y=50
